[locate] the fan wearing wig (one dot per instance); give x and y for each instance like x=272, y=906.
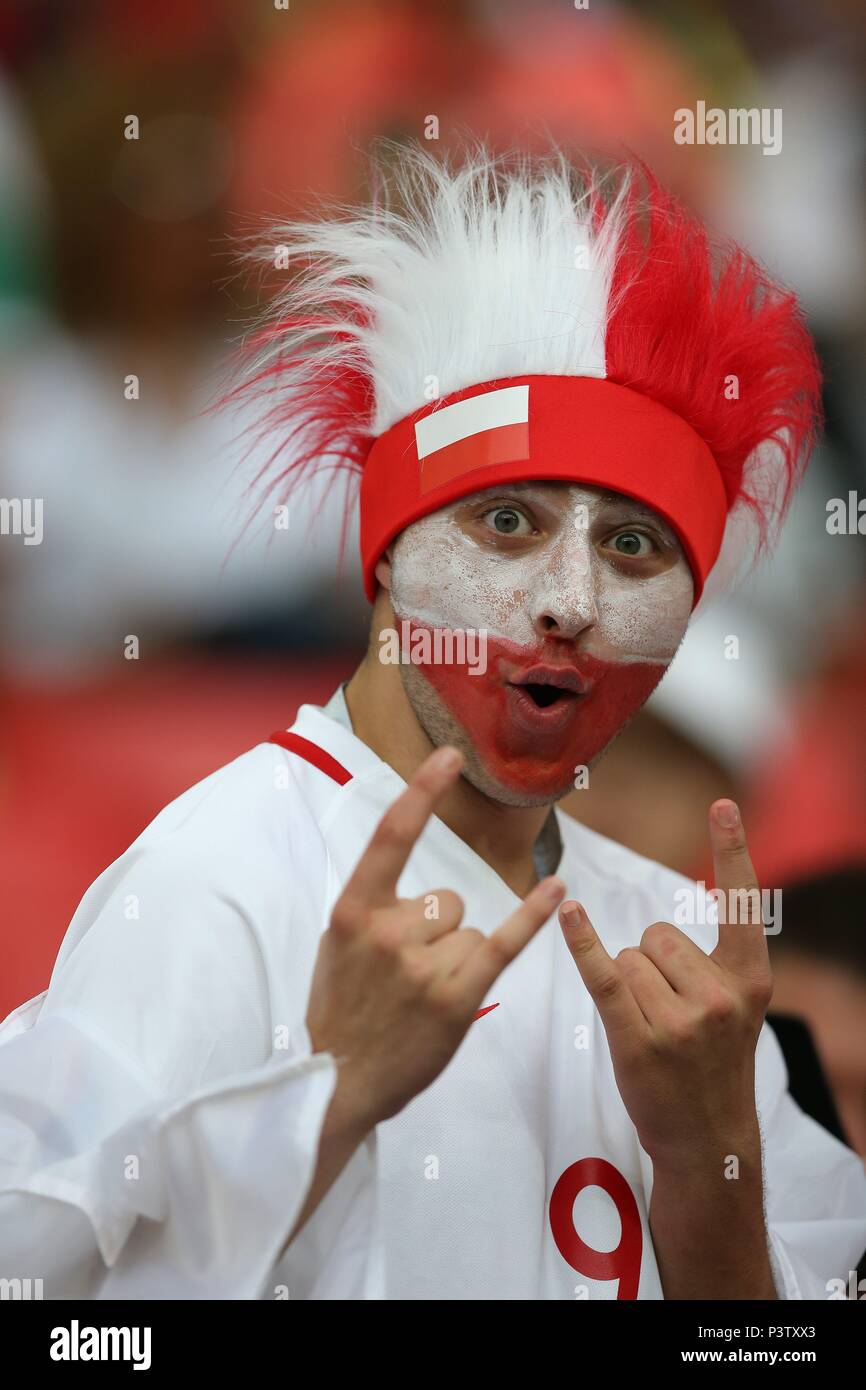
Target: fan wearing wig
x=397, y=1027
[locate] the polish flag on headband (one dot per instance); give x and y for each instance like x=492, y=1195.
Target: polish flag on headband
x=523, y=318
x=481, y=430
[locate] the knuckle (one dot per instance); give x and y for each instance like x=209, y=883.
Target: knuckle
x=656, y=934
x=759, y=990
x=608, y=987
x=682, y=1032
x=735, y=842
x=472, y=936
x=582, y=947
x=416, y=967
x=456, y=902
x=386, y=937
x=720, y=1007
x=743, y=905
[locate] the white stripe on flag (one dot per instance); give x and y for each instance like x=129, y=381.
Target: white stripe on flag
x=507, y=406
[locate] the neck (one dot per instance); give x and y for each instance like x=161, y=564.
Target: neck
x=503, y=836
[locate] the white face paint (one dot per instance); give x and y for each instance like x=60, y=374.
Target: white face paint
x=582, y=597
x=446, y=572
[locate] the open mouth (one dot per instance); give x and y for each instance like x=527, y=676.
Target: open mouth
x=544, y=698
x=546, y=695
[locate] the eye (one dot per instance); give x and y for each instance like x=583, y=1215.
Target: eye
x=508, y=521
x=633, y=544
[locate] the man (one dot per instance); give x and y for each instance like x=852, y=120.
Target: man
x=318, y=1033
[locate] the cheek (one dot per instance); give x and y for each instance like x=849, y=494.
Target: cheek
x=643, y=621
x=441, y=579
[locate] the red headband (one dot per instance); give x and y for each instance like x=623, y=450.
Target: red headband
x=574, y=429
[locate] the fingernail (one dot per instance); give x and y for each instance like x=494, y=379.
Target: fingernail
x=727, y=815
x=554, y=889
x=572, y=912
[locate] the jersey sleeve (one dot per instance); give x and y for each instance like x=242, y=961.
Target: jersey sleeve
x=153, y=1143
x=814, y=1188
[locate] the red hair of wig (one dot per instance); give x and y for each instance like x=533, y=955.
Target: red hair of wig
x=468, y=277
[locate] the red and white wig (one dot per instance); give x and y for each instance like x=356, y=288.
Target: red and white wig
x=523, y=318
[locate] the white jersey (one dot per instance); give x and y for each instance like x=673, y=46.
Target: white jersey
x=161, y=1106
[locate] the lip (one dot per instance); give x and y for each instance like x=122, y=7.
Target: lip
x=541, y=721
x=564, y=677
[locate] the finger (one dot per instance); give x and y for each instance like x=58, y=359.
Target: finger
x=605, y=982
x=498, y=950
x=433, y=915
x=652, y=992
x=374, y=881
x=449, y=953
x=742, y=943
x=678, y=960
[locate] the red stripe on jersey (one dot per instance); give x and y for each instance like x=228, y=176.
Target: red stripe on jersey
x=312, y=753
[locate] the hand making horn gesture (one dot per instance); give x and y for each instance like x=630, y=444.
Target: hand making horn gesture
x=395, y=988
x=682, y=1026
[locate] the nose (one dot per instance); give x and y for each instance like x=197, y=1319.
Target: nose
x=565, y=604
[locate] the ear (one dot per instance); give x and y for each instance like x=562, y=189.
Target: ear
x=383, y=569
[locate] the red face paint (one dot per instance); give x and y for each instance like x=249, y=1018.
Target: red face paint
x=532, y=749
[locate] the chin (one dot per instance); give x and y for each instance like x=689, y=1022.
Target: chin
x=522, y=782
x=524, y=795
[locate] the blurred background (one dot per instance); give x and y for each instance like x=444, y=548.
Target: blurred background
x=118, y=259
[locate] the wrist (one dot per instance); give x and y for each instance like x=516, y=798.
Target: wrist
x=351, y=1112
x=726, y=1148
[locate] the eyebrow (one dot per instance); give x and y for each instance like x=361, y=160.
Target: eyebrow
x=618, y=499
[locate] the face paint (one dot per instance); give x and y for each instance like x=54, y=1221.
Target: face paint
x=575, y=640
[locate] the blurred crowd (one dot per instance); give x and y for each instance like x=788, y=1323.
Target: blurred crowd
x=119, y=263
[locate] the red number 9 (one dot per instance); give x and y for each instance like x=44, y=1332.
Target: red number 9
x=623, y=1263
